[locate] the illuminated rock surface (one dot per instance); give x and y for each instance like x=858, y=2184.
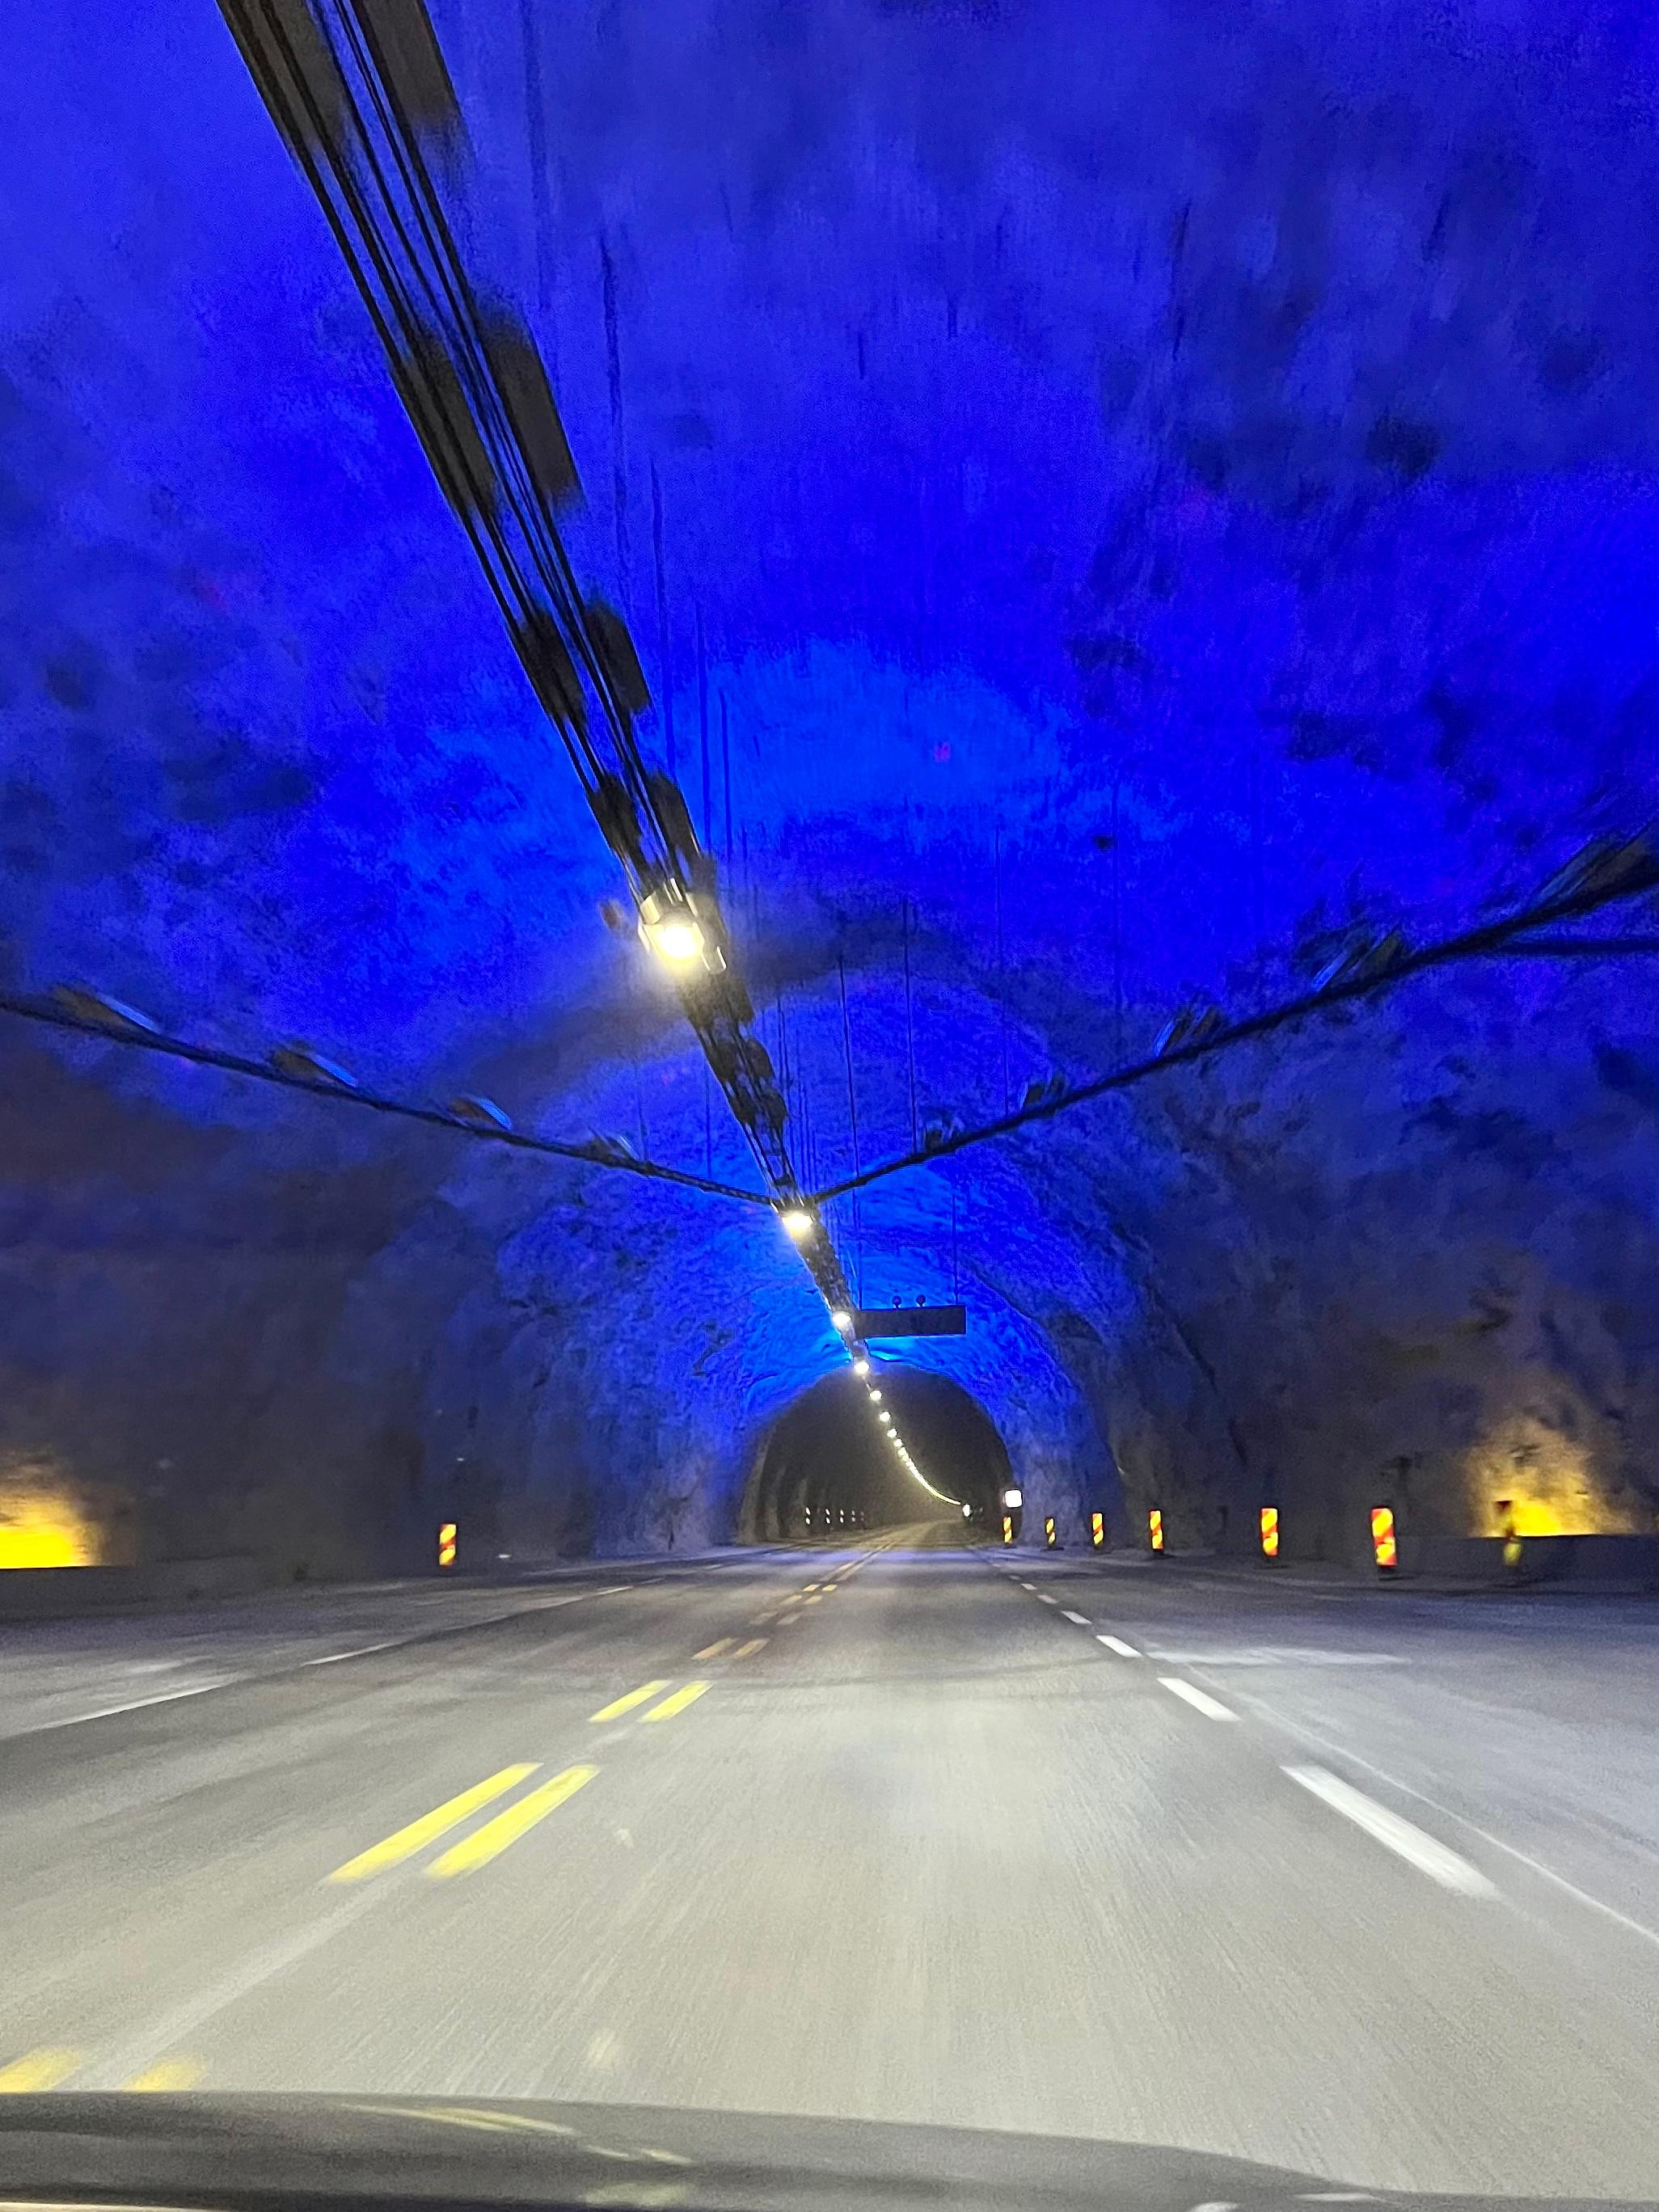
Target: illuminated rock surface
x=1168, y=487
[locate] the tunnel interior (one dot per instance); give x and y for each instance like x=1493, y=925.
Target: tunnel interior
x=826, y=1463
x=1074, y=595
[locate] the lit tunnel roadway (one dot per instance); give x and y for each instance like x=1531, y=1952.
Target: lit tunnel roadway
x=1360, y=1884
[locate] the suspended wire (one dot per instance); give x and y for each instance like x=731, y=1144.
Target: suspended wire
x=385, y=212
x=1491, y=938
x=28, y=1008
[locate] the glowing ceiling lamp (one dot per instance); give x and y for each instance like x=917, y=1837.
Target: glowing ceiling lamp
x=860, y=1365
x=671, y=930
x=841, y=1321
x=799, y=1224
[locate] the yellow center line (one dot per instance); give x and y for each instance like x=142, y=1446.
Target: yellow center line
x=484, y=1844
x=407, y=1841
x=713, y=1650
x=168, y=2075
x=813, y=1599
x=677, y=1703
x=37, y=2069
x=620, y=1705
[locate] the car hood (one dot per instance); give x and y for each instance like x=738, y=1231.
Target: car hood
x=351, y=2153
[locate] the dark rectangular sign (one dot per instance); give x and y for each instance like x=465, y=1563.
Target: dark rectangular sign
x=879, y=1322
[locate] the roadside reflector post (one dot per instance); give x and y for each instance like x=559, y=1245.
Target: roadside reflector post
x=1155, y=1529
x=1098, y=1529
x=1513, y=1549
x=1050, y=1536
x=445, y=1543
x=1384, y=1548
x=1007, y=1528
x=1270, y=1532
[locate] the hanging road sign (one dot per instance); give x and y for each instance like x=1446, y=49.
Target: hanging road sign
x=875, y=1322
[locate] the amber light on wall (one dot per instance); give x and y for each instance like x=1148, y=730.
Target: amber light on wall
x=44, y=1529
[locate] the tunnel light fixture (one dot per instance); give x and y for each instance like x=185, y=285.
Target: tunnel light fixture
x=671, y=930
x=860, y=1365
x=1013, y=1499
x=800, y=1226
x=875, y=1397
x=841, y=1321
x=885, y=1416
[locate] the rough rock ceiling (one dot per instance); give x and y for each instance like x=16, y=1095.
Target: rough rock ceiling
x=1119, y=494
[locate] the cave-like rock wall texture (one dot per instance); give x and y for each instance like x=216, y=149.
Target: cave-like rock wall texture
x=1107, y=497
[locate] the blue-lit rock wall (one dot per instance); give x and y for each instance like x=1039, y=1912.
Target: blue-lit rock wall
x=1140, y=489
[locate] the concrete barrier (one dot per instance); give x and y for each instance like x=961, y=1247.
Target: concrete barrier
x=63, y=1593
x=1625, y=1564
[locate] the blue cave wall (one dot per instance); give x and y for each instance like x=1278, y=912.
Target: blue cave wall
x=1113, y=498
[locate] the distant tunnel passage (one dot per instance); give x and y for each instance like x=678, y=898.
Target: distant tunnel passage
x=826, y=1454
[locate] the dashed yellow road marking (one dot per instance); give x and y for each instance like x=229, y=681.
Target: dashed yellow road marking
x=37, y=2069
x=748, y=1650
x=430, y=1826
x=487, y=1843
x=169, y=2075
x=713, y=1650
x=677, y=1703
x=618, y=1707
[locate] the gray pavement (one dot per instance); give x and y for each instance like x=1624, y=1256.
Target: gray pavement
x=1367, y=1887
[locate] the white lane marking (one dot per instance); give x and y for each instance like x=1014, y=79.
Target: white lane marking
x=1029, y=1586
x=333, y=1658
x=1043, y=1598
x=1496, y=1842
x=1081, y=1619
x=1201, y=1700
x=1434, y=1859
x=1116, y=1644
x=135, y=1705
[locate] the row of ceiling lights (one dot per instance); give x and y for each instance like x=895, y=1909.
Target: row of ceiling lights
x=675, y=937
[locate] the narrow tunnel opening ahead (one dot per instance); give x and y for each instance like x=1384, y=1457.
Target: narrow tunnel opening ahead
x=827, y=1456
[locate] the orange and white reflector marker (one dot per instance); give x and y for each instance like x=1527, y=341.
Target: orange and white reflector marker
x=1049, y=1537
x=1270, y=1532
x=1098, y=1529
x=1384, y=1549
x=1155, y=1529
x=1007, y=1528
x=445, y=1543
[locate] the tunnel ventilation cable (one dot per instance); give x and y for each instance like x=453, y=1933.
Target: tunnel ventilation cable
x=1626, y=870
x=359, y=93
x=296, y=1067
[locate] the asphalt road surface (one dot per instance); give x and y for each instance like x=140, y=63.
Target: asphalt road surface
x=1364, y=1884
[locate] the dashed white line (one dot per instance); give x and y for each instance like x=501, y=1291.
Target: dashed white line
x=1116, y=1644
x=1201, y=1700
x=135, y=1705
x=1081, y=1619
x=1418, y=1849
x=1029, y=1586
x=1043, y=1598
x=333, y=1658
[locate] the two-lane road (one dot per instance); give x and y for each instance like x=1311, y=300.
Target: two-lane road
x=893, y=1832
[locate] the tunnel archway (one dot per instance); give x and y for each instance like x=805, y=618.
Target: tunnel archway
x=826, y=1455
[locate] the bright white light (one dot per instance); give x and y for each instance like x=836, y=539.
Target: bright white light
x=875, y=1397
x=798, y=1223
x=670, y=929
x=841, y=1320
x=967, y=1512
x=1013, y=1499
x=860, y=1366
x=885, y=1416
x=678, y=941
